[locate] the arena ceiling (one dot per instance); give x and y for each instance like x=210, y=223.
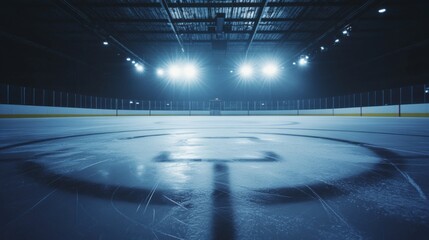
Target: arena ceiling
x=232, y=26
x=149, y=31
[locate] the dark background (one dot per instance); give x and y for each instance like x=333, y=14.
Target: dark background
x=43, y=45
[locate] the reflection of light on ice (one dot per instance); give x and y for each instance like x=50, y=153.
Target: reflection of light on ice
x=140, y=170
x=187, y=152
x=255, y=160
x=216, y=148
x=176, y=174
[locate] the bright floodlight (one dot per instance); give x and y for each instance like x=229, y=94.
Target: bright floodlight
x=190, y=71
x=322, y=48
x=128, y=59
x=382, y=10
x=139, y=67
x=105, y=43
x=337, y=40
x=174, y=72
x=133, y=62
x=270, y=70
x=302, y=61
x=246, y=71
x=160, y=72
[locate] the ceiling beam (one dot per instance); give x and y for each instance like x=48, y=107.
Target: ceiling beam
x=348, y=19
x=104, y=4
x=98, y=28
x=165, y=6
x=195, y=32
x=256, y=25
x=294, y=25
x=229, y=20
x=152, y=40
x=194, y=20
x=209, y=32
x=203, y=32
x=329, y=3
x=210, y=41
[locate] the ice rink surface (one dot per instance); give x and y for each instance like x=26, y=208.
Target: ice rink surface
x=244, y=177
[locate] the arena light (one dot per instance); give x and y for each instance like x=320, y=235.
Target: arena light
x=303, y=60
x=347, y=30
x=337, y=40
x=322, y=48
x=270, y=70
x=381, y=10
x=190, y=71
x=105, y=43
x=160, y=72
x=133, y=62
x=174, y=72
x=128, y=59
x=246, y=71
x=139, y=67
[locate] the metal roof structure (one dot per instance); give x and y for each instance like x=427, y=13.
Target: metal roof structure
x=238, y=26
x=220, y=29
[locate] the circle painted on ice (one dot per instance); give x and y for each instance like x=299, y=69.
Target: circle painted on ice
x=181, y=160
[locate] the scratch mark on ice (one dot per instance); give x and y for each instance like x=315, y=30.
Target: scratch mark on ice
x=32, y=207
x=155, y=235
x=178, y=204
x=120, y=212
x=180, y=221
x=411, y=181
x=327, y=207
x=169, y=235
x=150, y=196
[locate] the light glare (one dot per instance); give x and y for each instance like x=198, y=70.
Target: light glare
x=382, y=10
x=246, y=70
x=303, y=61
x=139, y=67
x=174, y=72
x=160, y=72
x=190, y=71
x=270, y=70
